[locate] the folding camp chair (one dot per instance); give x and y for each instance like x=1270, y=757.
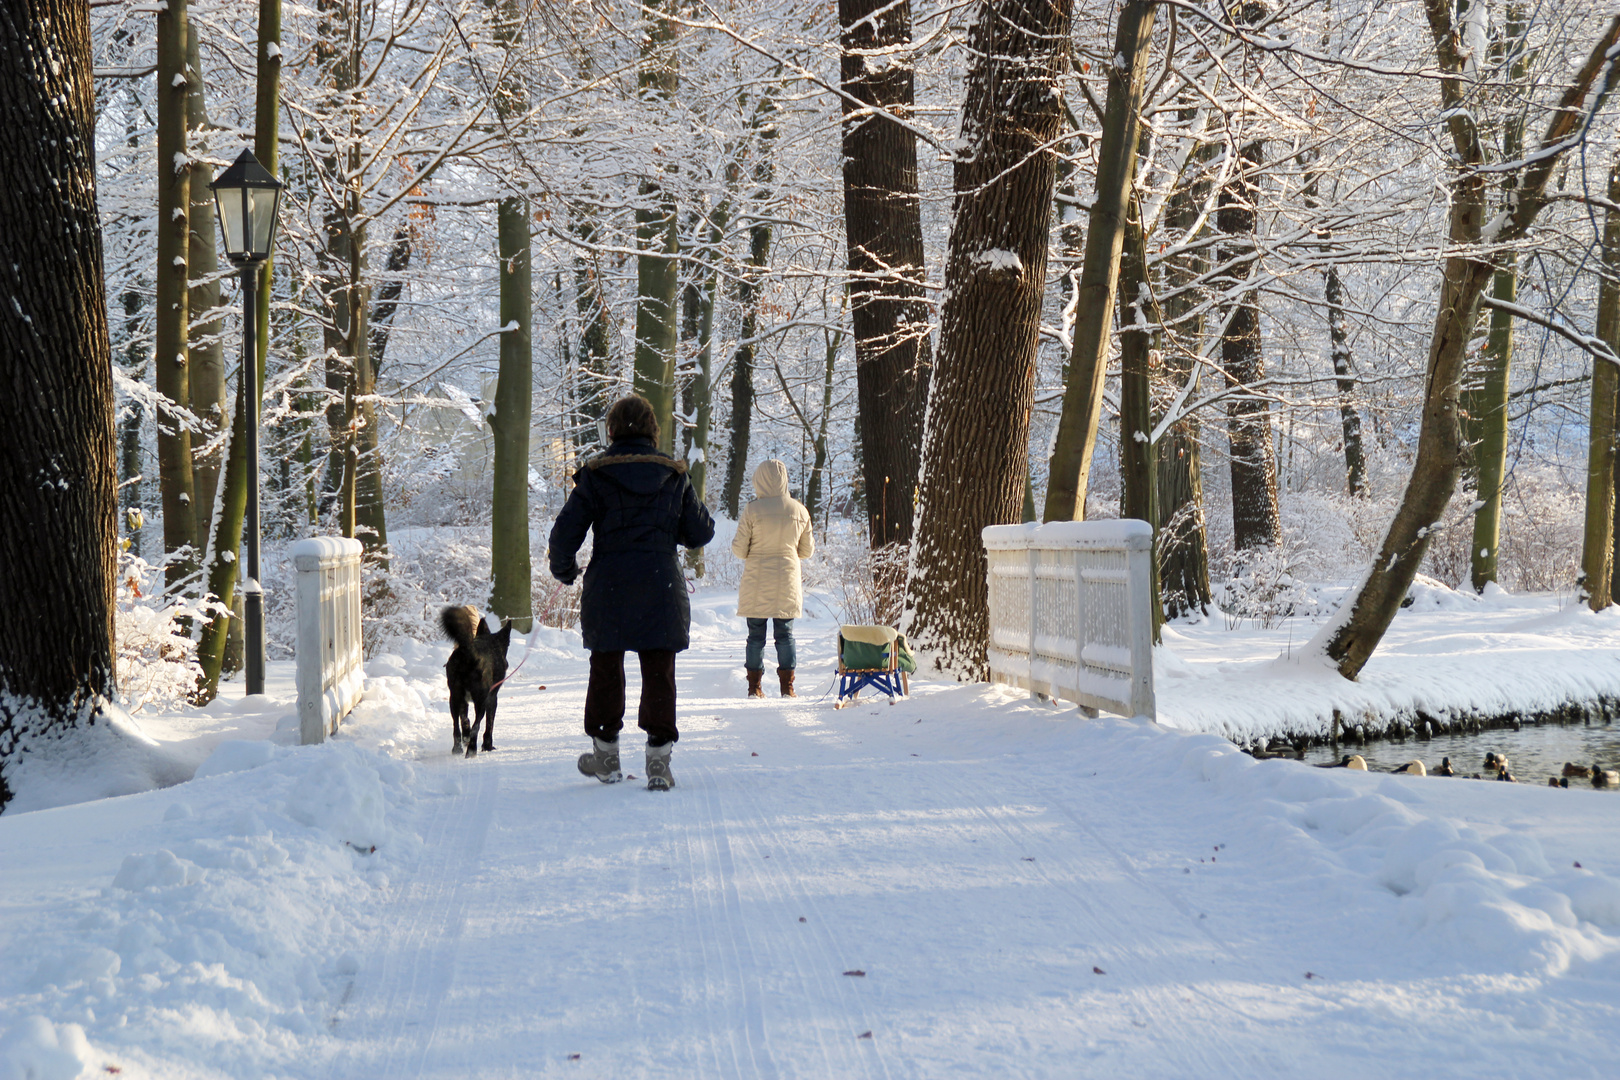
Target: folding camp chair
x=875, y=656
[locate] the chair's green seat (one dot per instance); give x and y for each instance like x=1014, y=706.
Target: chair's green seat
x=866, y=648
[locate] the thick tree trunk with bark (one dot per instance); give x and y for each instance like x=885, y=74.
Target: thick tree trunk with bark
x=171, y=319
x=1485, y=426
x=58, y=489
x=225, y=548
x=1137, y=347
x=658, y=240
x=347, y=339
x=1486, y=402
x=1255, y=519
x=1182, y=546
x=205, y=351
x=1597, y=547
x=883, y=230
x=1350, y=639
x=1070, y=470
x=976, y=448
x=511, y=585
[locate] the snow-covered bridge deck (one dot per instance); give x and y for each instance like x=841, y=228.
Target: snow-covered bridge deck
x=1027, y=894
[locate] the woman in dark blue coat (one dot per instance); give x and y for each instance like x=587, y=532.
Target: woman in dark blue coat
x=639, y=505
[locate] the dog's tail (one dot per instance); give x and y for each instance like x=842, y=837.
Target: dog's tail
x=460, y=624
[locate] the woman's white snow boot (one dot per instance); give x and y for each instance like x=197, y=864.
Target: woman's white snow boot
x=602, y=762
x=659, y=778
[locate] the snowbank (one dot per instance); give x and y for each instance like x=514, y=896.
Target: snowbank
x=1449, y=659
x=1479, y=889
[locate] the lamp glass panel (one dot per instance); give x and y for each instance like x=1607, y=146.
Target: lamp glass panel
x=262, y=205
x=229, y=203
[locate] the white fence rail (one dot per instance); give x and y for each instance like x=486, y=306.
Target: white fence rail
x=329, y=657
x=1069, y=612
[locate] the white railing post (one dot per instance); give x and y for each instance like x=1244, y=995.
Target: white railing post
x=328, y=650
x=1113, y=634
x=1139, y=557
x=1031, y=560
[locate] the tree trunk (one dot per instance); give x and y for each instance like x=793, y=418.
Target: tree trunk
x=1182, y=548
x=1486, y=403
x=1350, y=639
x=1344, y=372
x=658, y=240
x=206, y=385
x=703, y=382
x=748, y=290
x=591, y=388
x=385, y=303
x=883, y=231
x=511, y=588
x=1255, y=520
x=129, y=429
x=1070, y=470
x=347, y=338
x=976, y=448
x=818, y=471
x=686, y=372
x=175, y=483
x=58, y=490
x=1137, y=346
x=1597, y=548
x=742, y=363
x=1485, y=427
x=226, y=545
x=1344, y=376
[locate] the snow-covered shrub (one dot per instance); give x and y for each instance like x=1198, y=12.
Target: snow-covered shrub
x=1542, y=531
x=1262, y=586
x=867, y=585
x=156, y=659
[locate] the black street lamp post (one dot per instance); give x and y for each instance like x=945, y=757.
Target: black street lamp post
x=247, y=197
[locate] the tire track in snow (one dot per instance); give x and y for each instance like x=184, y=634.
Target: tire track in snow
x=1060, y=867
x=815, y=955
x=395, y=1015
x=735, y=1003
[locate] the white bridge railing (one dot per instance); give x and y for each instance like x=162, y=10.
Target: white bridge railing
x=1069, y=612
x=329, y=657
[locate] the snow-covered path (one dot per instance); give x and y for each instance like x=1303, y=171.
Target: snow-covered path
x=967, y=883
x=663, y=935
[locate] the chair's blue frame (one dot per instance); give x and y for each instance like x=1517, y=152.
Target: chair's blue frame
x=889, y=680
x=884, y=681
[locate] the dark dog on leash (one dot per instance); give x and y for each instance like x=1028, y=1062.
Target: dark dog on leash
x=474, y=671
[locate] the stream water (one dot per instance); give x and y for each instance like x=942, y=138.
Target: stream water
x=1533, y=752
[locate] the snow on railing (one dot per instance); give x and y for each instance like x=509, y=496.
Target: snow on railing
x=329, y=657
x=1069, y=612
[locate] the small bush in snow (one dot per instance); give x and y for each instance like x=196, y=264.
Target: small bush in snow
x=156, y=659
x=1260, y=585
